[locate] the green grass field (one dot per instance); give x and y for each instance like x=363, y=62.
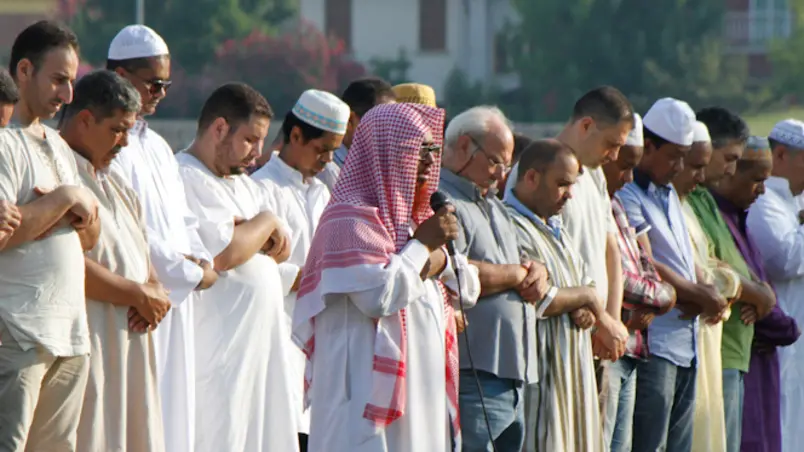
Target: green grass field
x=763, y=123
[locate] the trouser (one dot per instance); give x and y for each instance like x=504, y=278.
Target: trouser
x=733, y=395
x=41, y=397
x=505, y=408
x=664, y=406
x=618, y=412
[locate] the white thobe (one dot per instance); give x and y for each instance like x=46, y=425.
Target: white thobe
x=774, y=227
x=150, y=167
x=243, y=398
x=300, y=204
x=121, y=411
x=344, y=353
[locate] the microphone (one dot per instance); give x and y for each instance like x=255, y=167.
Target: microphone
x=438, y=201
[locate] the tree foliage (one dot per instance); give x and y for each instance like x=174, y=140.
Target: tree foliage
x=787, y=59
x=566, y=47
x=193, y=28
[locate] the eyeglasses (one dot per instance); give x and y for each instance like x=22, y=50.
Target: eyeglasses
x=506, y=168
x=154, y=86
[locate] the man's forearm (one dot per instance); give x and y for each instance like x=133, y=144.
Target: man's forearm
x=756, y=294
x=248, y=239
x=89, y=235
x=496, y=278
x=38, y=217
x=106, y=286
x=685, y=289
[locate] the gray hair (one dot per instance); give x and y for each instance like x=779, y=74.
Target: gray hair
x=103, y=93
x=473, y=122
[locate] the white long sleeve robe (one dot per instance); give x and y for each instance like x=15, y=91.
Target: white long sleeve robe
x=774, y=226
x=149, y=165
x=344, y=353
x=243, y=389
x=299, y=204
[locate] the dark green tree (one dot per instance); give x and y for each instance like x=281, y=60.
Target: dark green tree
x=566, y=47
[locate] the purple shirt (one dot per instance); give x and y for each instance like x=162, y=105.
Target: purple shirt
x=762, y=425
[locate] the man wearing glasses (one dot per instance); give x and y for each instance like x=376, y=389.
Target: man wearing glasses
x=501, y=330
x=181, y=262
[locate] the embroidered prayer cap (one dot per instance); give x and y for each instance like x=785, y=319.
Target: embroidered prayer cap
x=415, y=93
x=672, y=120
x=700, y=133
x=322, y=110
x=137, y=41
x=635, y=137
x=757, y=148
x=789, y=132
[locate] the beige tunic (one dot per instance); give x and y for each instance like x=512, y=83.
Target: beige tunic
x=121, y=406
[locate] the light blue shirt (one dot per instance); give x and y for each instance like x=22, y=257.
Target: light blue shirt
x=656, y=211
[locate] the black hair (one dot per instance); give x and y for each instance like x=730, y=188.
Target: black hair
x=653, y=138
x=364, y=94
x=521, y=142
x=103, y=93
x=309, y=132
x=9, y=95
x=236, y=103
x=605, y=105
x=540, y=154
x=724, y=126
x=37, y=40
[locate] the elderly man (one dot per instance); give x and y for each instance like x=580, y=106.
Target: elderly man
x=123, y=297
x=734, y=195
x=9, y=96
x=244, y=399
x=501, y=334
x=181, y=262
x=645, y=296
x=44, y=339
x=566, y=401
x=664, y=407
x=728, y=135
x=361, y=96
x=374, y=313
x=773, y=224
x=311, y=132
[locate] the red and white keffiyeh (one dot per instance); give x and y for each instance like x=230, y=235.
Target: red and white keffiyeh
x=367, y=220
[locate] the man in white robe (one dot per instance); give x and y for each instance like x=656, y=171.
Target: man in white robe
x=121, y=408
x=312, y=131
x=373, y=314
x=773, y=224
x=182, y=263
x=244, y=401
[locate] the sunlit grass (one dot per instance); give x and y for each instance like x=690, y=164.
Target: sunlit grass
x=763, y=123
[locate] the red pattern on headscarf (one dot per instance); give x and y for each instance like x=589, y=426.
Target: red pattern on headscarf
x=369, y=219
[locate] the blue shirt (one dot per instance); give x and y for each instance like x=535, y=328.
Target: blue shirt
x=656, y=210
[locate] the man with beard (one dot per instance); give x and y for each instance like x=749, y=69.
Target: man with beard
x=44, y=339
x=665, y=396
x=244, y=398
x=564, y=415
x=182, y=263
x=375, y=308
x=312, y=131
x=121, y=407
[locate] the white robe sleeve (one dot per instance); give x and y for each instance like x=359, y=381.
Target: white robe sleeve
x=778, y=236
x=390, y=288
x=469, y=281
x=175, y=272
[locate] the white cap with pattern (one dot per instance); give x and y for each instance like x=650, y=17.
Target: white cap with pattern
x=789, y=132
x=322, y=110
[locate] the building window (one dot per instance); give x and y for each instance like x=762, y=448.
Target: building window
x=768, y=20
x=433, y=25
x=338, y=20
